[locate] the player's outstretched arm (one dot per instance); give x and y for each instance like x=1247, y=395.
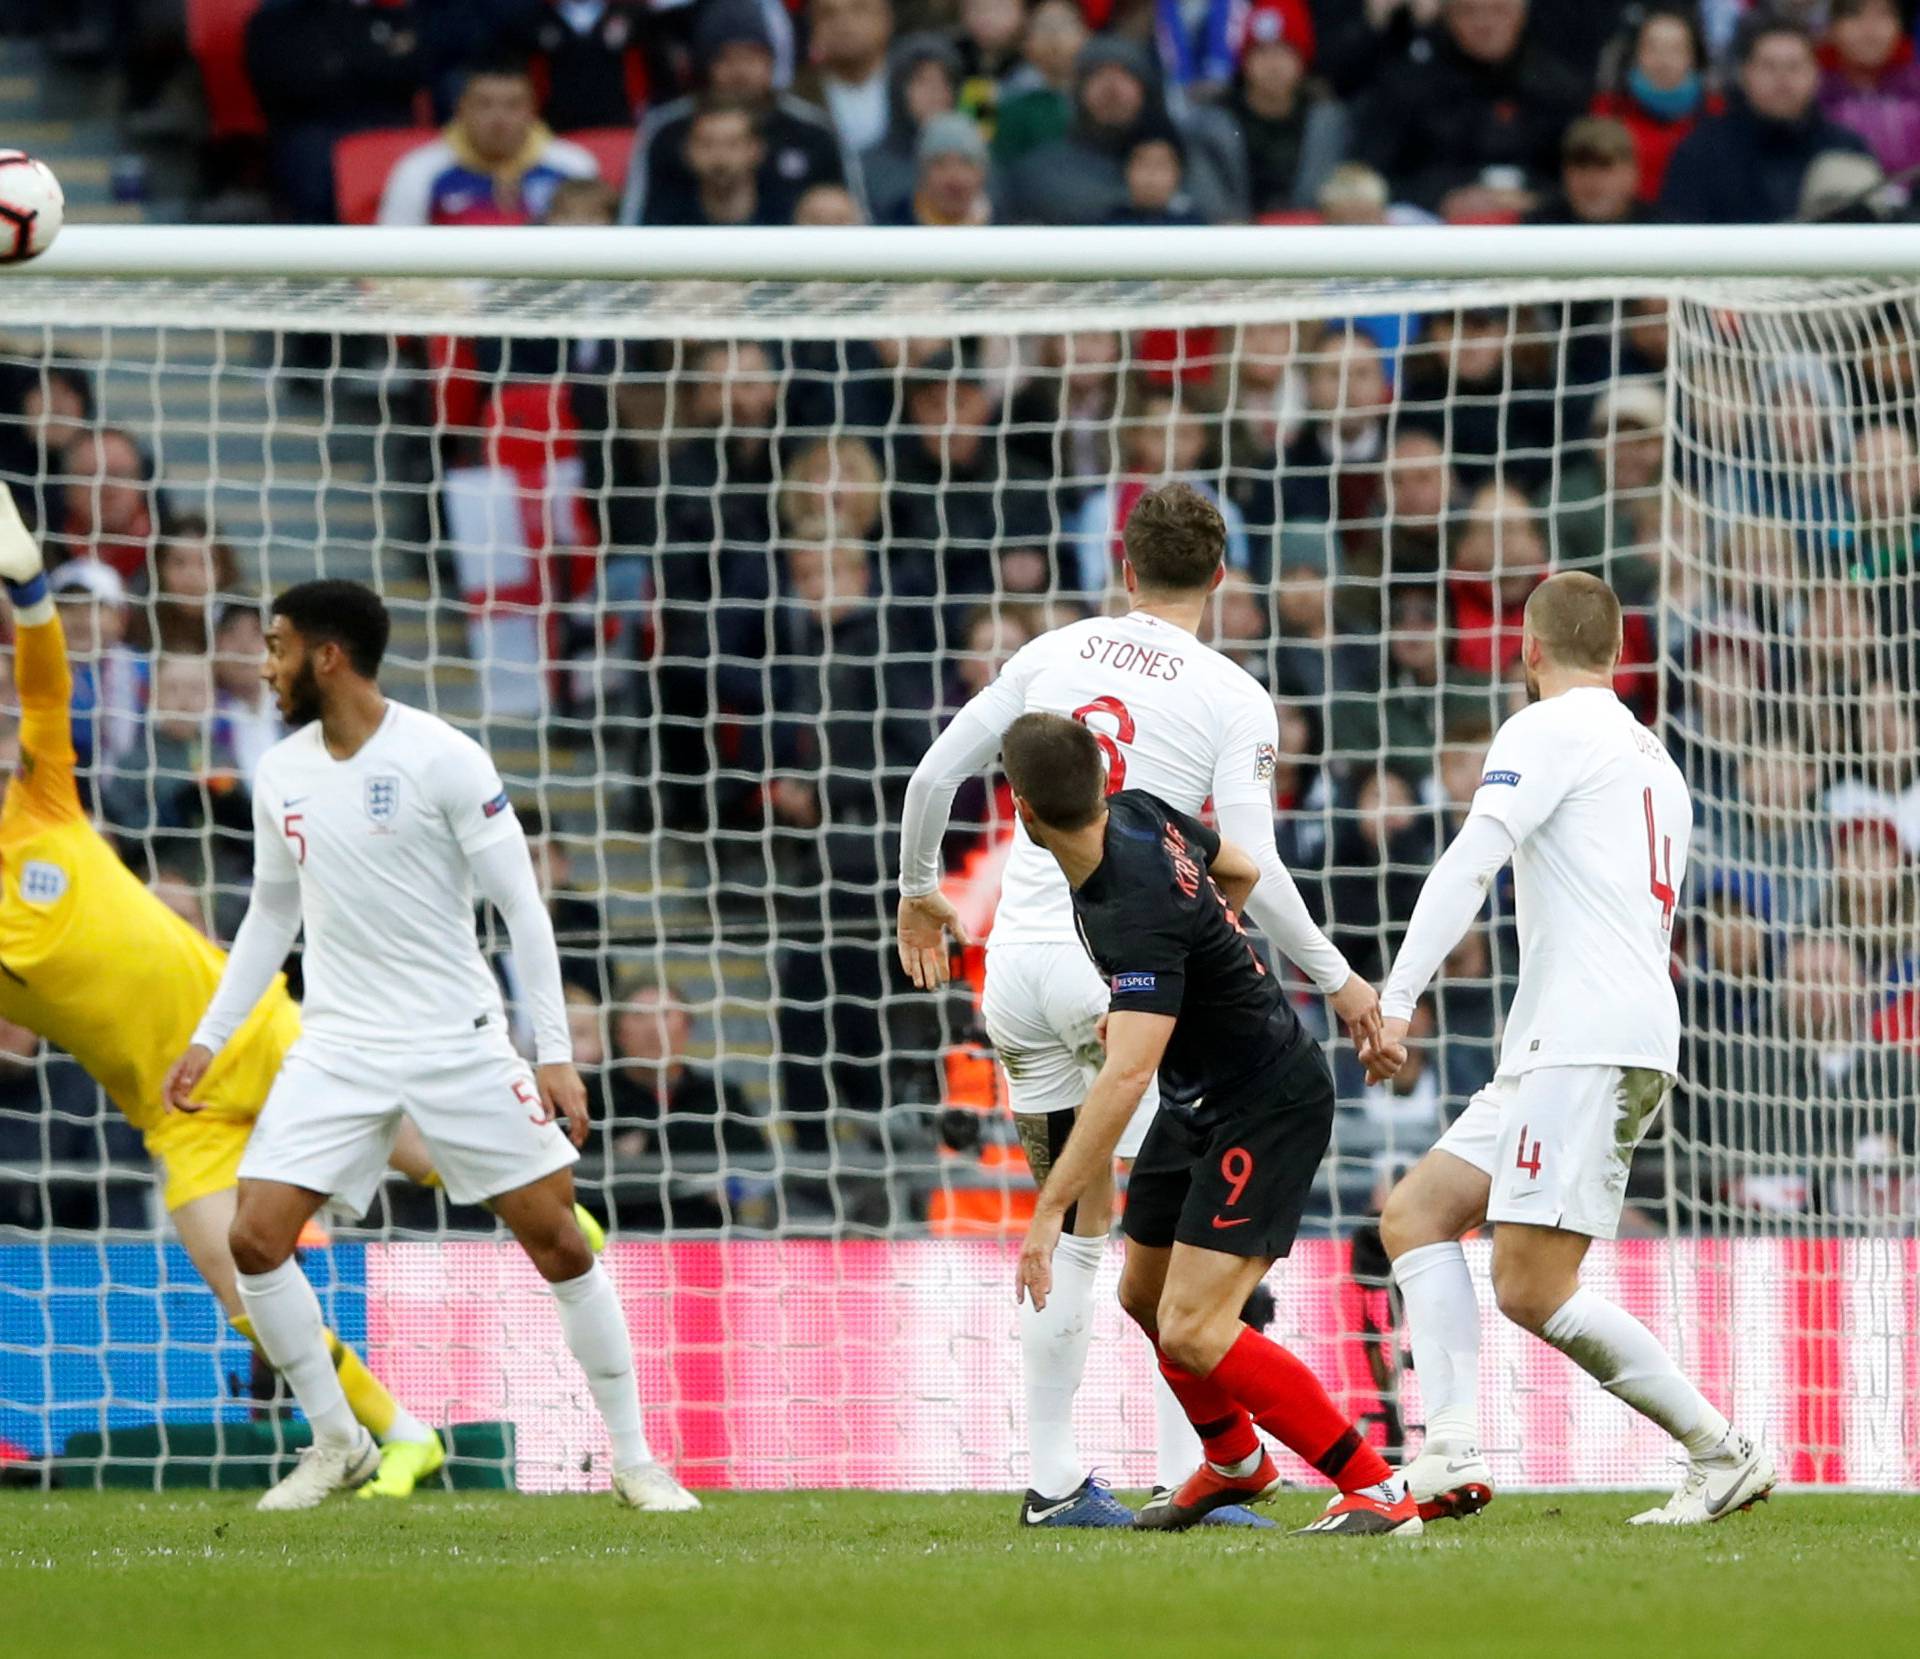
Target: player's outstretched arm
x=925, y=919
x=1450, y=898
x=1135, y=1043
x=41, y=674
x=266, y=935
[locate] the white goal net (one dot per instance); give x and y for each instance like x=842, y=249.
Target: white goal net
x=707, y=564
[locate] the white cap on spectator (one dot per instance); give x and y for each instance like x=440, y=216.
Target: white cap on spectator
x=90, y=576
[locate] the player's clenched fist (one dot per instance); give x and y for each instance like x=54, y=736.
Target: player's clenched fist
x=563, y=1095
x=184, y=1076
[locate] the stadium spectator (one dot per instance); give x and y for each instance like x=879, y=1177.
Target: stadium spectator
x=990, y=40
x=1060, y=421
x=1154, y=170
x=1871, y=84
x=108, y=685
x=1330, y=472
x=734, y=49
x=51, y=1124
x=245, y=718
x=1035, y=106
x=1295, y=130
x=1310, y=660
x=1499, y=559
x=322, y=69
x=828, y=204
x=1238, y=626
x=957, y=502
x=1747, y=166
x=1382, y=849
x=496, y=162
x=847, y=74
x=923, y=81
x=1472, y=132
x=1663, y=93
x=952, y=184
x=724, y=155
x=674, y=1113
x=1163, y=435
x=1484, y=381
x=1405, y=539
x=191, y=570
x=175, y=780
x=110, y=508
x=1081, y=178
x=42, y=411
x=579, y=916
x=1599, y=178
x=592, y=56
x=1607, y=509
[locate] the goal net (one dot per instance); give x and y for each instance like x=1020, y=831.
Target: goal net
x=707, y=564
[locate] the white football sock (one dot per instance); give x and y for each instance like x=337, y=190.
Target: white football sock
x=1176, y=1448
x=405, y=1429
x=1627, y=1360
x=285, y=1315
x=596, y=1331
x=1443, y=1326
x=1053, y=1352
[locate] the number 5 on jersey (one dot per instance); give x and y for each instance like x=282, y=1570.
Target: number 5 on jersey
x=290, y=826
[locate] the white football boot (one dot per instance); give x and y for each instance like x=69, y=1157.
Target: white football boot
x=649, y=1486
x=1734, y=1478
x=323, y=1471
x=1449, y=1481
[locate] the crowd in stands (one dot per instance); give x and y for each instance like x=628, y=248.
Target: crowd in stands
x=762, y=574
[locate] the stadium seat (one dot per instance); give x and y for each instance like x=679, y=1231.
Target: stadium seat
x=217, y=36
x=361, y=163
x=611, y=147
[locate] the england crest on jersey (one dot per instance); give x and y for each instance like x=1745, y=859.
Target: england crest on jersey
x=383, y=801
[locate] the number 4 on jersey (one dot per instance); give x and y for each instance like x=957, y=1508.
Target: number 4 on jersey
x=1660, y=885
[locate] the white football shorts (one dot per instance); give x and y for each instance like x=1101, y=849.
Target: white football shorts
x=1043, y=1005
x=330, y=1119
x=1558, y=1142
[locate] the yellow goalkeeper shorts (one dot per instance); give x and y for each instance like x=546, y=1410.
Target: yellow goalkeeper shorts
x=199, y=1155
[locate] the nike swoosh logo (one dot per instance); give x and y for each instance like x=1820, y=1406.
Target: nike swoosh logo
x=1033, y=1517
x=1237, y=1221
x=1455, y=1468
x=1725, y=1499
x=293, y=800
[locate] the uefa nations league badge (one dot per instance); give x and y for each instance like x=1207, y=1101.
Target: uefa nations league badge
x=383, y=802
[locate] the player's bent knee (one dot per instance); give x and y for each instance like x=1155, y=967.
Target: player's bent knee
x=254, y=1248
x=1529, y=1300
x=1141, y=1303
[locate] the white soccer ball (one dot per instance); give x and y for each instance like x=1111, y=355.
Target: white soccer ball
x=32, y=207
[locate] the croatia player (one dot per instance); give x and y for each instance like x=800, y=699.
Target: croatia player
x=1596, y=818
x=373, y=823
x=1175, y=718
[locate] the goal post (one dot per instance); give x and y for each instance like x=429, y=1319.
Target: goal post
x=707, y=533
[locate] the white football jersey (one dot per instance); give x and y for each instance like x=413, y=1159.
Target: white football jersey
x=1173, y=717
x=379, y=845
x=1600, y=819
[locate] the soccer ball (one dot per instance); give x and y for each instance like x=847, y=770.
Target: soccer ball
x=32, y=208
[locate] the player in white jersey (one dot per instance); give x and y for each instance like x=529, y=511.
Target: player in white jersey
x=1596, y=818
x=1180, y=720
x=373, y=824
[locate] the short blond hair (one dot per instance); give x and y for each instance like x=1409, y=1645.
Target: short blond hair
x=1576, y=619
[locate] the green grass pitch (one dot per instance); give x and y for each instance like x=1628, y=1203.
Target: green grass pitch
x=456, y=1576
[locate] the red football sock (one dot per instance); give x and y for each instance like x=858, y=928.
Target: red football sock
x=1287, y=1400
x=1225, y=1429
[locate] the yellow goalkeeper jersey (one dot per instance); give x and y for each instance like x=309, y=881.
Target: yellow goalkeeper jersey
x=89, y=958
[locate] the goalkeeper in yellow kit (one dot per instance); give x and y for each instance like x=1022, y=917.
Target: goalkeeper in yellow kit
x=93, y=962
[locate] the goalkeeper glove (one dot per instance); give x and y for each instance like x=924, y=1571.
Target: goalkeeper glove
x=20, y=563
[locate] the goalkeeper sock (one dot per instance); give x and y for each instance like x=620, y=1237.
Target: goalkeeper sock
x=1177, y=1449
x=596, y=1331
x=1053, y=1353
x=1443, y=1325
x=1628, y=1361
x=1214, y=1425
x=285, y=1316
x=371, y=1401
x=1288, y=1401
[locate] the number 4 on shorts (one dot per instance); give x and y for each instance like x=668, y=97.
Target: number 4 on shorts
x=1525, y=1160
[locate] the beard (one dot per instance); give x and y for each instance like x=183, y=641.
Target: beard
x=301, y=703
